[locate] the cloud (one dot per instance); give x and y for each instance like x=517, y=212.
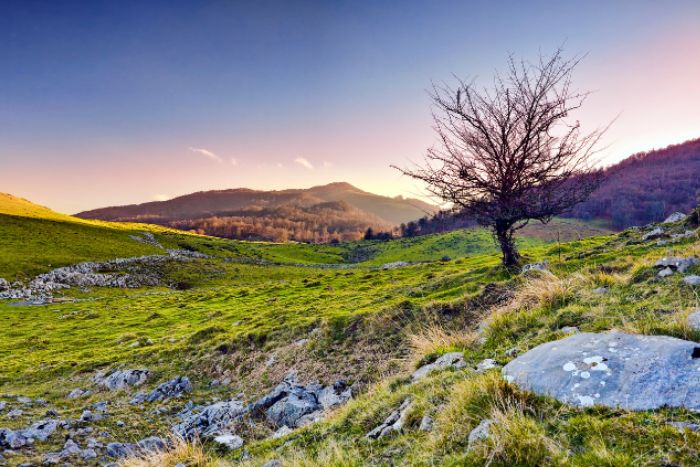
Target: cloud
x=327, y=164
x=279, y=165
x=304, y=163
x=161, y=197
x=234, y=161
x=206, y=153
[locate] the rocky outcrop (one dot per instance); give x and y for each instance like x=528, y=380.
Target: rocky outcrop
x=122, y=379
x=675, y=263
x=675, y=217
x=394, y=423
x=39, y=431
x=618, y=370
x=449, y=360
x=213, y=420
x=121, y=273
x=653, y=234
x=173, y=388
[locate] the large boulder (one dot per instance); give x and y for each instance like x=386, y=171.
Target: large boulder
x=677, y=264
x=675, y=217
x=618, y=370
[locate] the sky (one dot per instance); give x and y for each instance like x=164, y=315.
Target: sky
x=117, y=102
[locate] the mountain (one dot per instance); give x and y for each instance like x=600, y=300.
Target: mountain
x=647, y=187
x=322, y=213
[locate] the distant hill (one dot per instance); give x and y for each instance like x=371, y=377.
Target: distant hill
x=322, y=213
x=647, y=187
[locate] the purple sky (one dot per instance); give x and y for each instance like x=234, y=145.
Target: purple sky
x=105, y=103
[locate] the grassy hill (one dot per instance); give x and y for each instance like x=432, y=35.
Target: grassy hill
x=252, y=311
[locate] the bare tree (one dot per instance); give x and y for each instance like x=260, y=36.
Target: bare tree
x=510, y=154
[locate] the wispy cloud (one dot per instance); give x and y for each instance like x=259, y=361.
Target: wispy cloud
x=234, y=161
x=206, y=153
x=304, y=163
x=327, y=164
x=161, y=197
x=279, y=165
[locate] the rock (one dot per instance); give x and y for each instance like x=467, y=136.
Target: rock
x=229, y=441
x=618, y=370
x=692, y=281
x=541, y=266
x=655, y=233
x=272, y=463
x=601, y=291
x=24, y=400
x=122, y=379
x=76, y=393
x=88, y=453
x=682, y=426
x=676, y=264
x=426, y=423
x=14, y=413
x=393, y=423
x=100, y=407
x=12, y=439
x=173, y=388
x=481, y=432
x=452, y=359
x=395, y=265
x=120, y=449
x=486, y=365
x=512, y=352
x=295, y=405
x=212, y=420
x=283, y=431
x=694, y=320
x=41, y=430
x=675, y=217
x=665, y=272
x=152, y=443
x=87, y=416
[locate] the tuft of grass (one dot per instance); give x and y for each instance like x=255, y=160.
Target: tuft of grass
x=189, y=453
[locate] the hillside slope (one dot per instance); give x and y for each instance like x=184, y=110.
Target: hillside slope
x=647, y=187
x=336, y=210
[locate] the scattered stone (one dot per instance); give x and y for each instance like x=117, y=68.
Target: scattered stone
x=692, y=281
x=14, y=413
x=618, y=370
x=677, y=264
x=41, y=430
x=76, y=393
x=665, y=272
x=88, y=453
x=212, y=420
x=173, y=388
x=272, y=463
x=393, y=423
x=283, y=431
x=88, y=416
x=152, y=443
x=480, y=433
x=24, y=400
x=229, y=441
x=654, y=234
x=449, y=360
x=426, y=424
x=682, y=426
x=12, y=439
x=122, y=379
x=71, y=448
x=120, y=449
x=601, y=291
x=694, y=320
x=486, y=365
x=675, y=217
x=395, y=265
x=541, y=266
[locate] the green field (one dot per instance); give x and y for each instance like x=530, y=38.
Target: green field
x=240, y=315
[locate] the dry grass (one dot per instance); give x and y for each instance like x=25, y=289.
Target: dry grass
x=434, y=338
x=180, y=452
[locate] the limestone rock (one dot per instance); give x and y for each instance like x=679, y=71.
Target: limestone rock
x=692, y=280
x=212, y=420
x=481, y=432
x=486, y=364
x=633, y=372
x=122, y=379
x=229, y=441
x=677, y=264
x=658, y=232
x=675, y=217
x=452, y=359
x=393, y=423
x=541, y=266
x=694, y=320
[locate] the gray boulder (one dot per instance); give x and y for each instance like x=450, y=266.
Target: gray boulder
x=214, y=419
x=480, y=433
x=632, y=372
x=665, y=272
x=486, y=364
x=229, y=441
x=122, y=379
x=152, y=443
x=120, y=449
x=426, y=423
x=541, y=266
x=41, y=430
x=694, y=320
x=452, y=359
x=393, y=423
x=675, y=217
x=676, y=263
x=658, y=232
x=692, y=281
x=173, y=388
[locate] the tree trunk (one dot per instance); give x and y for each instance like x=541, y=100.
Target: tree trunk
x=504, y=236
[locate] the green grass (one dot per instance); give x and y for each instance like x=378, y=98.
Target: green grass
x=244, y=309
